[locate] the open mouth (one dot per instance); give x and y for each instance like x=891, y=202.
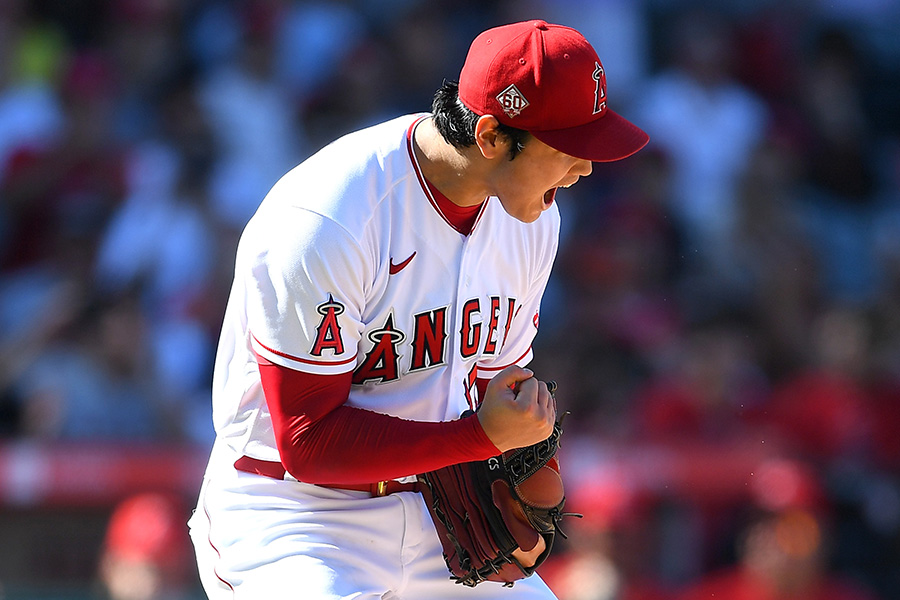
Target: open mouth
x=549, y=195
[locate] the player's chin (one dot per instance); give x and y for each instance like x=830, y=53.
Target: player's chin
x=530, y=211
x=546, y=202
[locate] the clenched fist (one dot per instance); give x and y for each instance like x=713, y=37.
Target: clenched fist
x=518, y=409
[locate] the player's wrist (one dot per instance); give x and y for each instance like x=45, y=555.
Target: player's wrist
x=479, y=436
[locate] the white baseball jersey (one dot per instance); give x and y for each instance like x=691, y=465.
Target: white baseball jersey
x=349, y=265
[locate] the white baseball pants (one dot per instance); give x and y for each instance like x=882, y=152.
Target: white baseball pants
x=257, y=537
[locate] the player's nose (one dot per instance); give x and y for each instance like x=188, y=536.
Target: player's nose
x=582, y=168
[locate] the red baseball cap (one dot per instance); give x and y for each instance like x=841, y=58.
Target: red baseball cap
x=547, y=80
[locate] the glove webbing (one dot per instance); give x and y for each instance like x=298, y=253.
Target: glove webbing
x=522, y=463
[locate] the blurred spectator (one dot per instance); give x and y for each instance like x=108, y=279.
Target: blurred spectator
x=615, y=269
x=703, y=392
x=831, y=98
x=145, y=45
x=777, y=281
x=313, y=42
x=254, y=121
x=33, y=58
x=709, y=125
x=782, y=545
x=612, y=552
x=36, y=306
x=843, y=185
x=146, y=552
x=781, y=556
x=159, y=236
x=822, y=410
x=89, y=381
x=591, y=567
x=61, y=192
x=162, y=241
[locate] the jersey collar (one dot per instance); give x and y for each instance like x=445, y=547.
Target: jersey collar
x=461, y=218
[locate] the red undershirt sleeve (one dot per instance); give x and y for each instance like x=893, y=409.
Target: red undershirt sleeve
x=322, y=440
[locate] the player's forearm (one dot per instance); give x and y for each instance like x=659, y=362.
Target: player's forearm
x=351, y=445
x=321, y=440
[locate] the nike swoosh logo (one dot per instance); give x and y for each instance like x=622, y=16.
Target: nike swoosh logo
x=394, y=269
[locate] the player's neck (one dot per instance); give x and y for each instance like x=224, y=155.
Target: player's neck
x=450, y=170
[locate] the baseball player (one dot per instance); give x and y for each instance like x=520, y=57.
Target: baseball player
x=386, y=285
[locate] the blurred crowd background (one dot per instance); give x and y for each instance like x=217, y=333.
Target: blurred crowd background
x=723, y=319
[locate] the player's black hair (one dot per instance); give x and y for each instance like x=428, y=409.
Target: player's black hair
x=456, y=122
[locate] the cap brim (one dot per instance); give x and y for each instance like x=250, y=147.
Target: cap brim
x=609, y=138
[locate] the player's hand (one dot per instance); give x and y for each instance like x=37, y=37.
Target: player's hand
x=517, y=409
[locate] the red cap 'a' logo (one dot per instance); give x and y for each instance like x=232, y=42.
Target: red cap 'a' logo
x=512, y=101
x=599, y=89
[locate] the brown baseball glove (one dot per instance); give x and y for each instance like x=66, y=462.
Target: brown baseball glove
x=497, y=518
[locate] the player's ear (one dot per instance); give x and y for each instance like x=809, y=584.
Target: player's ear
x=488, y=138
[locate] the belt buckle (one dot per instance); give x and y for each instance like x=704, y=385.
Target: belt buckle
x=381, y=488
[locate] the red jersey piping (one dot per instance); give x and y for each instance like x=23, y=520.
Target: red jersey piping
x=305, y=361
x=427, y=187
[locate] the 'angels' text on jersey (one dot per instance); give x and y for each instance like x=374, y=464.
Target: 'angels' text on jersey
x=482, y=332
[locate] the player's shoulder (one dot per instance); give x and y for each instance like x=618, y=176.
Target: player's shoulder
x=384, y=137
x=370, y=147
x=360, y=164
x=346, y=179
